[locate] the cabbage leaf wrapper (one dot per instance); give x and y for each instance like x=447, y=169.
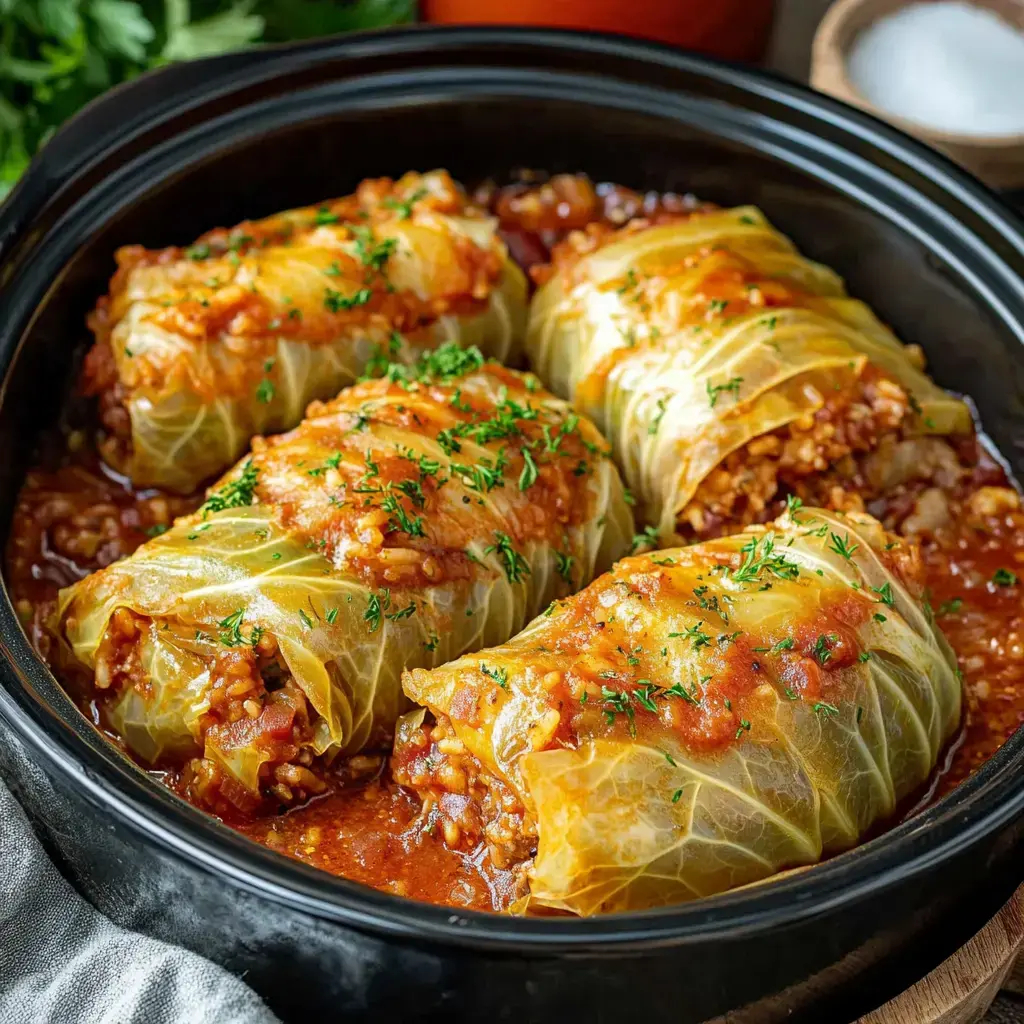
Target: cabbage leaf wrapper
x=711, y=337
x=700, y=718
x=410, y=519
x=199, y=349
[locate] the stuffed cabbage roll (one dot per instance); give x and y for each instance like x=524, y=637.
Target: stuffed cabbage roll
x=199, y=349
x=696, y=719
x=412, y=518
x=729, y=372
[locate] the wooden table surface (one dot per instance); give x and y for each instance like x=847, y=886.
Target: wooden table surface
x=790, y=54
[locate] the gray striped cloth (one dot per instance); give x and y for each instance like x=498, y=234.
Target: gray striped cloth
x=62, y=962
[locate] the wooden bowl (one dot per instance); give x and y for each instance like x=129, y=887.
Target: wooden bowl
x=996, y=159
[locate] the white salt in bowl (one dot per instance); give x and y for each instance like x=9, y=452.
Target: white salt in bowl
x=996, y=158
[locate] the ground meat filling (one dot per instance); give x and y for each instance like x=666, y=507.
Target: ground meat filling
x=252, y=702
x=852, y=451
x=460, y=797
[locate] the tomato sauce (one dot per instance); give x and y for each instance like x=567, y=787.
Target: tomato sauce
x=74, y=516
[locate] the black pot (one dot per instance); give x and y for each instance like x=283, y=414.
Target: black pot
x=174, y=153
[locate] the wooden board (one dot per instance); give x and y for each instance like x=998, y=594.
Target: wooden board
x=962, y=988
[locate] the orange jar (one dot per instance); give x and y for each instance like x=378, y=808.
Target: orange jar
x=736, y=29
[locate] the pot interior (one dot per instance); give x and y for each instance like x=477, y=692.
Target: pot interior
x=919, y=244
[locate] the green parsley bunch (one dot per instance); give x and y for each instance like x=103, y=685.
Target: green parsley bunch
x=57, y=55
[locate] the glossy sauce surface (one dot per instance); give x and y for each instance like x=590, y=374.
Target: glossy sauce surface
x=74, y=515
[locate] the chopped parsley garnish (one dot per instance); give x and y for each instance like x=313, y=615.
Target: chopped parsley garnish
x=372, y=253
x=380, y=361
x=649, y=538
x=449, y=361
x=864, y=656
x=399, y=519
x=499, y=675
x=528, y=477
x=689, y=694
x=825, y=710
x=376, y=605
x=652, y=427
x=324, y=216
x=198, y=252
x=744, y=726
x=402, y=613
x=485, y=475
x=951, y=607
x=822, y=649
x=793, y=504
x=1004, y=578
x=335, y=302
x=629, y=282
x=879, y=617
x=231, y=630
x=842, y=546
x=156, y=529
x=696, y=634
x=564, y=565
x=715, y=390
x=516, y=566
x=403, y=207
x=265, y=391
x=676, y=796
x=235, y=493
x=885, y=595
x=306, y=620
x=618, y=703
x=331, y=616
x=644, y=695
x=760, y=557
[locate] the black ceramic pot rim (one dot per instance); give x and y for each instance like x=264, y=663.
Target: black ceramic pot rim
x=36, y=710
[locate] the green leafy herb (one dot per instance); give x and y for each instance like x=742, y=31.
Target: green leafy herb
x=652, y=427
x=1004, y=578
x=265, y=391
x=372, y=252
x=564, y=566
x=516, y=567
x=842, y=546
x=617, y=702
x=335, y=302
x=236, y=493
x=825, y=710
x=822, y=649
x=528, y=477
x=715, y=390
x=404, y=206
x=951, y=607
x=499, y=675
x=57, y=55
x=376, y=605
x=647, y=539
x=885, y=595
x=230, y=634
x=760, y=557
